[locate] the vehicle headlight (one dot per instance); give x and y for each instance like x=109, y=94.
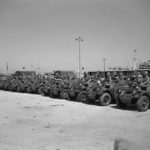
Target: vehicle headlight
x=120, y=90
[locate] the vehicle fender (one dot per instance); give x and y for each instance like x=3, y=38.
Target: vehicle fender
x=147, y=93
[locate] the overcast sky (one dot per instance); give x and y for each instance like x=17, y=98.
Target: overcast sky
x=43, y=32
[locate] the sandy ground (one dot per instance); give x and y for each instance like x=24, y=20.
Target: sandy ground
x=34, y=122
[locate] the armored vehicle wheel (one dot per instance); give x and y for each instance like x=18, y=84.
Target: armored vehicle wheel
x=3, y=87
x=46, y=91
x=40, y=91
x=64, y=95
x=14, y=88
x=51, y=94
x=18, y=89
x=105, y=99
x=29, y=90
x=82, y=97
x=22, y=88
x=143, y=104
x=34, y=89
x=119, y=103
x=9, y=88
x=6, y=87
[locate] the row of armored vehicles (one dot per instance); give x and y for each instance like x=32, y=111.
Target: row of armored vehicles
x=91, y=90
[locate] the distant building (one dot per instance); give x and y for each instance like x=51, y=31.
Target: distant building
x=19, y=73
x=64, y=73
x=117, y=68
x=144, y=65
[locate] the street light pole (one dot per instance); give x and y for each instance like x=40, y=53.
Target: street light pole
x=104, y=59
x=7, y=67
x=134, y=60
x=79, y=39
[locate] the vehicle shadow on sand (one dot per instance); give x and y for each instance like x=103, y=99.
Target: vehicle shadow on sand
x=127, y=108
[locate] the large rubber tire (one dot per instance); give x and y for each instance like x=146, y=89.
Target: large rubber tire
x=51, y=94
x=19, y=89
x=23, y=88
x=143, y=103
x=54, y=94
x=9, y=88
x=105, y=99
x=6, y=87
x=3, y=87
x=119, y=103
x=46, y=91
x=82, y=97
x=34, y=89
x=65, y=95
x=29, y=89
x=14, y=88
x=40, y=91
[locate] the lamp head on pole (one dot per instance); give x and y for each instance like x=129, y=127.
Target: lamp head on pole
x=79, y=39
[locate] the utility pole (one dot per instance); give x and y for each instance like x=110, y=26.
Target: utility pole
x=79, y=39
